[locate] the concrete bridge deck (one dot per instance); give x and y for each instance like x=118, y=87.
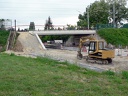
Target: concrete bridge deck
x=63, y=32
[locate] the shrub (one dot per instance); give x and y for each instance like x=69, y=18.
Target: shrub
x=115, y=36
x=3, y=39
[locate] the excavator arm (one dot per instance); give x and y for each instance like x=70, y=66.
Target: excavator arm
x=85, y=39
x=82, y=41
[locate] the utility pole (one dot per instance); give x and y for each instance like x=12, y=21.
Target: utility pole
x=88, y=16
x=11, y=24
x=114, y=14
x=15, y=25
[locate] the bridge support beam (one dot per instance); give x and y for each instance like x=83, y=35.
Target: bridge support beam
x=40, y=42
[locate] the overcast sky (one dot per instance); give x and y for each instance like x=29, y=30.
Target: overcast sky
x=62, y=12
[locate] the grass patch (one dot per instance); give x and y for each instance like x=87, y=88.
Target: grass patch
x=21, y=76
x=111, y=73
x=125, y=74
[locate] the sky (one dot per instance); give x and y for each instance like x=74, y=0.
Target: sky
x=62, y=12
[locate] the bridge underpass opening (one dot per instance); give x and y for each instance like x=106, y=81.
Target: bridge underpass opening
x=59, y=41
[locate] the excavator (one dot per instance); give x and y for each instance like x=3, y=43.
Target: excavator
x=97, y=53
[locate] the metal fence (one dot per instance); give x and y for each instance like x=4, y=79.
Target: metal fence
x=125, y=26
x=100, y=26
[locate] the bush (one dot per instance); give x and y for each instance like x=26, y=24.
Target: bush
x=115, y=36
x=55, y=37
x=3, y=39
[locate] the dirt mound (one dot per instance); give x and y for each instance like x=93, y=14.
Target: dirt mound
x=18, y=47
x=27, y=43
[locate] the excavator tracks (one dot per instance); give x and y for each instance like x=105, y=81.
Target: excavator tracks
x=98, y=61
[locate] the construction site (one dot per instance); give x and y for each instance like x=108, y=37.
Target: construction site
x=28, y=45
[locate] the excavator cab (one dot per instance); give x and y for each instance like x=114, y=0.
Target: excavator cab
x=92, y=47
x=95, y=45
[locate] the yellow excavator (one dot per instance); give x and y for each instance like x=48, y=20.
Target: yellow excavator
x=97, y=53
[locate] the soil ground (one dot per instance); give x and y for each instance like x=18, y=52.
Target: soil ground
x=28, y=45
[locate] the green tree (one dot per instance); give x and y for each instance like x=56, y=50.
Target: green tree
x=98, y=14
x=55, y=37
x=82, y=23
x=48, y=24
x=32, y=26
x=117, y=9
x=70, y=27
x=122, y=2
x=2, y=25
x=101, y=11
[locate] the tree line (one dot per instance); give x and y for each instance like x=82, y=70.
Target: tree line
x=103, y=12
